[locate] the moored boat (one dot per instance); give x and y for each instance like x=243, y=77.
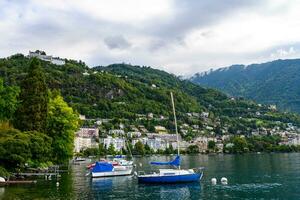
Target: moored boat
x=171, y=175
x=107, y=169
x=176, y=175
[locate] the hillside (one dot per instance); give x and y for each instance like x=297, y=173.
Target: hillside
x=275, y=82
x=123, y=91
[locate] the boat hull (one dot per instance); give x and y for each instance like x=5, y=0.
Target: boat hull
x=112, y=173
x=171, y=179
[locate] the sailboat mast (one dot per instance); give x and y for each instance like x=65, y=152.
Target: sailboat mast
x=175, y=121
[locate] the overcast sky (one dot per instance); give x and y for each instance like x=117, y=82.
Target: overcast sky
x=179, y=36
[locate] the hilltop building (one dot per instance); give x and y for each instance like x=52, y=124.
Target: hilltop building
x=42, y=55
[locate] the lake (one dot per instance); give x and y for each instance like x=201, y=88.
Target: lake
x=250, y=176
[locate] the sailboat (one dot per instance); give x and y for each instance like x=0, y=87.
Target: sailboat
x=175, y=175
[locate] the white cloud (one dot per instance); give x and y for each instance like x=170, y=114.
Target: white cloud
x=182, y=37
x=283, y=53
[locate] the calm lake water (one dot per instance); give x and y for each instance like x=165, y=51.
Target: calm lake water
x=250, y=176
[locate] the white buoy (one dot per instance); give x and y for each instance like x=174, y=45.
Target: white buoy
x=224, y=181
x=57, y=184
x=214, y=181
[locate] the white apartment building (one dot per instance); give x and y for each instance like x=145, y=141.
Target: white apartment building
x=81, y=143
x=118, y=143
x=116, y=132
x=88, y=132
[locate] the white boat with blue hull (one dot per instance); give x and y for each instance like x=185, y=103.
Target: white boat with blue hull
x=107, y=169
x=171, y=175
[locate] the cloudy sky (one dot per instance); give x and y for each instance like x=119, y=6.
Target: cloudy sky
x=179, y=36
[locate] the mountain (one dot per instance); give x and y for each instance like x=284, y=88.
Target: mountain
x=124, y=91
x=275, y=82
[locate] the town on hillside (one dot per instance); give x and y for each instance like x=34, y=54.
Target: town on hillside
x=208, y=137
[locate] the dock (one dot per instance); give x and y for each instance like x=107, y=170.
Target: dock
x=17, y=182
x=36, y=174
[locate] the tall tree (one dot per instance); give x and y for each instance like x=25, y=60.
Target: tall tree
x=32, y=112
x=62, y=123
x=111, y=150
x=8, y=101
x=139, y=148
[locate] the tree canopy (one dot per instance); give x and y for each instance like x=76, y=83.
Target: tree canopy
x=32, y=112
x=62, y=122
x=8, y=101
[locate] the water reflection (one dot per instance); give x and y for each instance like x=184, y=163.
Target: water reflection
x=109, y=183
x=2, y=191
x=183, y=191
x=127, y=187
x=102, y=184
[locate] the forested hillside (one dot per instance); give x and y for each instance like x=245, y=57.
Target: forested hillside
x=123, y=91
x=274, y=82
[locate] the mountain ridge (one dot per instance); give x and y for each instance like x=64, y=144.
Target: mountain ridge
x=272, y=82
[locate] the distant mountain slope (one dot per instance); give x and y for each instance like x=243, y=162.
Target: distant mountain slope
x=276, y=82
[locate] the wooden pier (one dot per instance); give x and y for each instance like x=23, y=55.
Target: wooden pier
x=16, y=182
x=36, y=174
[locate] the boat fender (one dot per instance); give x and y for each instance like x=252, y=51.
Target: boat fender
x=213, y=181
x=224, y=181
x=135, y=173
x=141, y=164
x=57, y=184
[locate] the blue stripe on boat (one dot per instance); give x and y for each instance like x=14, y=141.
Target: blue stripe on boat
x=171, y=179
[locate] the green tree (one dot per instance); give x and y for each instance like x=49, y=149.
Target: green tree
x=8, y=101
x=90, y=152
x=18, y=148
x=193, y=149
x=240, y=145
x=33, y=109
x=102, y=150
x=211, y=144
x=62, y=123
x=40, y=147
x=111, y=150
x=139, y=148
x=148, y=149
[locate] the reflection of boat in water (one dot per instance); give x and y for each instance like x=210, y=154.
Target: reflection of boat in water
x=107, y=183
x=106, y=169
x=179, y=191
x=102, y=183
x=171, y=175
